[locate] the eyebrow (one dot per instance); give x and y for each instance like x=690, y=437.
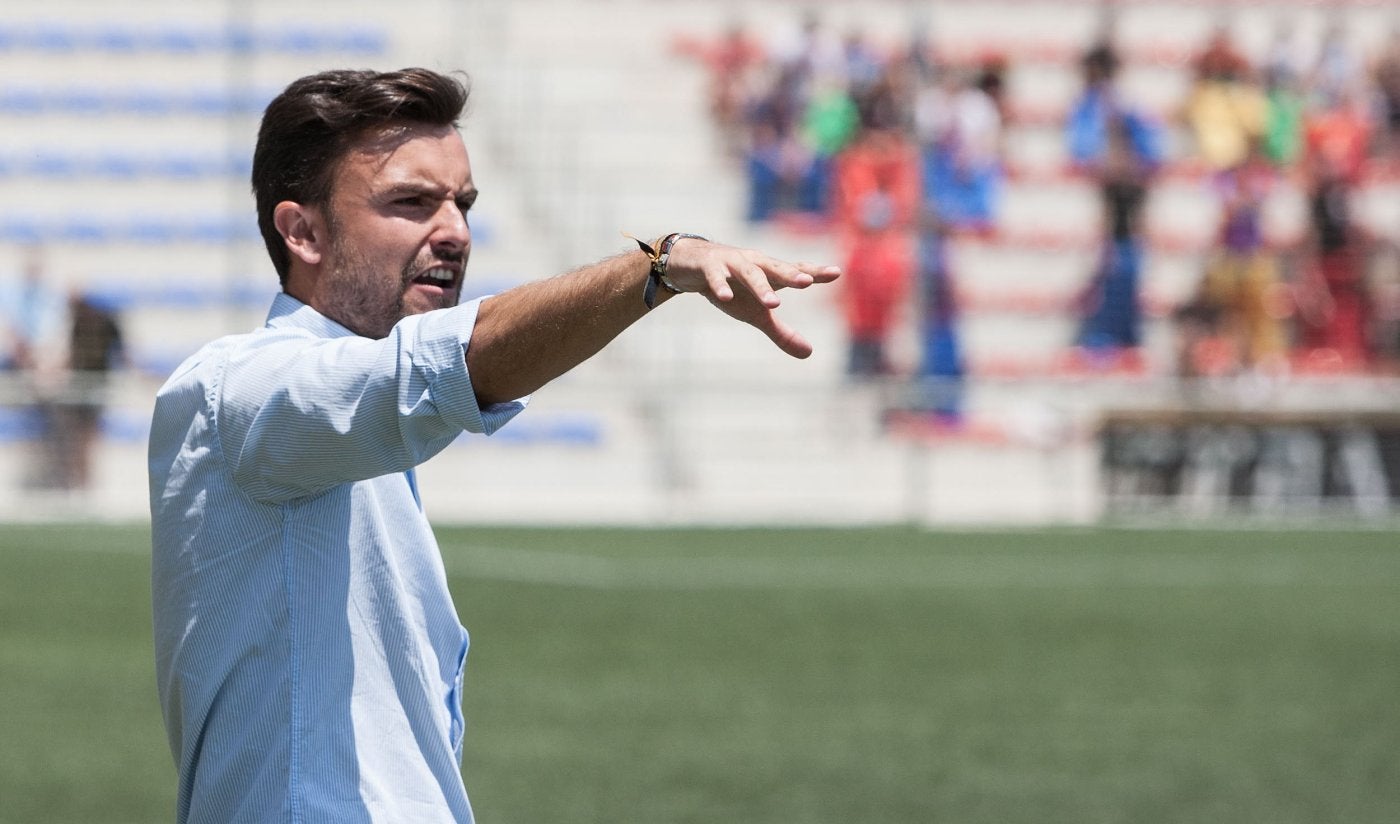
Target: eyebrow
x=416, y=187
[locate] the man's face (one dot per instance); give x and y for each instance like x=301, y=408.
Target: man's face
x=397, y=222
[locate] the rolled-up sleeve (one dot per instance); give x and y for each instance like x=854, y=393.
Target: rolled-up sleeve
x=299, y=412
x=442, y=339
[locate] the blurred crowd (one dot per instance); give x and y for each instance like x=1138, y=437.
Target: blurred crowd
x=895, y=150
x=57, y=350
x=1320, y=125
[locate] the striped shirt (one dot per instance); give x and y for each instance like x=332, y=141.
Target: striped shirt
x=308, y=653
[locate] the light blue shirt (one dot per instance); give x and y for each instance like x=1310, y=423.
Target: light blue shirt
x=308, y=654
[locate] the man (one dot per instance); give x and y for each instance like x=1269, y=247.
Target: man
x=309, y=657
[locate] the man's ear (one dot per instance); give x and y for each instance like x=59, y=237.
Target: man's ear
x=302, y=229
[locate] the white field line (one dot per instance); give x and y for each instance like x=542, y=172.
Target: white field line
x=1021, y=571
x=933, y=571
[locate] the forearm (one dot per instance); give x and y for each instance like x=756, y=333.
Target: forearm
x=532, y=334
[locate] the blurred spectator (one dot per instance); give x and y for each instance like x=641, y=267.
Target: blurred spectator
x=806, y=54
x=785, y=176
x=1110, y=333
x=800, y=115
x=876, y=199
x=1120, y=150
x=829, y=124
x=1386, y=76
x=779, y=162
x=32, y=319
x=95, y=347
x=862, y=63
x=1383, y=291
x=1226, y=110
x=1202, y=351
x=1099, y=63
x=1331, y=294
x=919, y=54
x=1241, y=282
x=1285, y=61
x=887, y=104
x=1339, y=72
x=1221, y=60
x=1086, y=128
x=941, y=368
x=1337, y=138
x=1284, y=91
x=960, y=137
x=1099, y=110
x=731, y=63
x=31, y=316
x=763, y=170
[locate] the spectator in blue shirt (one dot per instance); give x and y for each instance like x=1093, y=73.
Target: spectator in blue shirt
x=309, y=657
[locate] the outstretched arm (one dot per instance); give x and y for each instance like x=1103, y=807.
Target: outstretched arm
x=532, y=334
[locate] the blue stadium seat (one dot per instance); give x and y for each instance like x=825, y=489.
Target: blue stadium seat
x=19, y=424
x=49, y=164
x=125, y=165
x=182, y=166
x=143, y=101
x=569, y=429
x=151, y=231
x=118, y=165
x=182, y=40
x=125, y=425
x=53, y=37
x=186, y=296
x=364, y=41
x=78, y=100
x=157, y=364
x=211, y=102
x=63, y=37
x=21, y=100
x=214, y=229
x=83, y=230
x=20, y=229
x=294, y=41
x=117, y=38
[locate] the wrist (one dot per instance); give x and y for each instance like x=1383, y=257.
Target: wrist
x=659, y=254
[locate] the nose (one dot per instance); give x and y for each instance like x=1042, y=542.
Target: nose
x=450, y=228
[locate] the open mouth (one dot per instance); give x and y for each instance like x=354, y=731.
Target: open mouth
x=441, y=276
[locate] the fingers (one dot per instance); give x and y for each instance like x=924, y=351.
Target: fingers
x=783, y=275
x=762, y=278
x=818, y=273
x=717, y=280
x=744, y=284
x=789, y=340
x=756, y=279
x=722, y=277
x=745, y=307
x=722, y=269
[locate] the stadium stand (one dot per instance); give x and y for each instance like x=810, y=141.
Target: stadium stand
x=580, y=130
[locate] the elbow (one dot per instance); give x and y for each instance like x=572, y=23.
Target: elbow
x=495, y=382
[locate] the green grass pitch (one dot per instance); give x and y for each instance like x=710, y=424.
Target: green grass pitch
x=872, y=675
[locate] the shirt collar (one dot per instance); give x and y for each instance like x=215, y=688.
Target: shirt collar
x=289, y=313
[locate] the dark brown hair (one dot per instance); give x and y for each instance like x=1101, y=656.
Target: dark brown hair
x=308, y=128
